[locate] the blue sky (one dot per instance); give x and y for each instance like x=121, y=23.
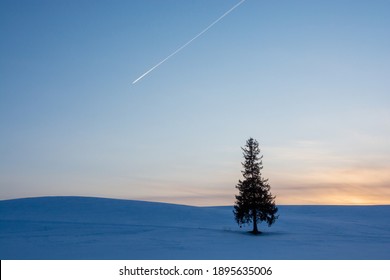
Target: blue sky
x=307, y=79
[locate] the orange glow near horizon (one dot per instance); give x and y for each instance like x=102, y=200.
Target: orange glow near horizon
x=321, y=187
x=341, y=198
x=358, y=186
x=324, y=194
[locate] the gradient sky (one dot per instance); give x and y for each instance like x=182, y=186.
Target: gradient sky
x=308, y=79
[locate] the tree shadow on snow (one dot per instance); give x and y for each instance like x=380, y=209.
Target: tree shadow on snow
x=262, y=234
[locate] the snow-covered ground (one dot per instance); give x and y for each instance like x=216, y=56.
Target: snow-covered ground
x=98, y=228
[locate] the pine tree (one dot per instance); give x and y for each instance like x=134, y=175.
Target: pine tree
x=254, y=203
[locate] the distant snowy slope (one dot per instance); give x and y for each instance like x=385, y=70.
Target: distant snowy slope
x=99, y=228
x=104, y=211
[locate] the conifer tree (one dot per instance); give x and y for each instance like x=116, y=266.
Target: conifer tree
x=254, y=203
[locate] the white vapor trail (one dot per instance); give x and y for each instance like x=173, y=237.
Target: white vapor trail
x=190, y=41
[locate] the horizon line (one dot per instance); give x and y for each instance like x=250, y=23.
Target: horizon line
x=172, y=203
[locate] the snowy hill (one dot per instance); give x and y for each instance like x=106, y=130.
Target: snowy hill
x=98, y=228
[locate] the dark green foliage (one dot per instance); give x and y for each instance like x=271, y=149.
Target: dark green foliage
x=254, y=203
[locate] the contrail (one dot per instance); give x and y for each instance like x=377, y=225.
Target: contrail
x=190, y=41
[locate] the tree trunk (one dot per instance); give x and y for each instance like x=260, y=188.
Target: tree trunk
x=255, y=230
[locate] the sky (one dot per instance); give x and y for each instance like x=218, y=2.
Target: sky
x=309, y=80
